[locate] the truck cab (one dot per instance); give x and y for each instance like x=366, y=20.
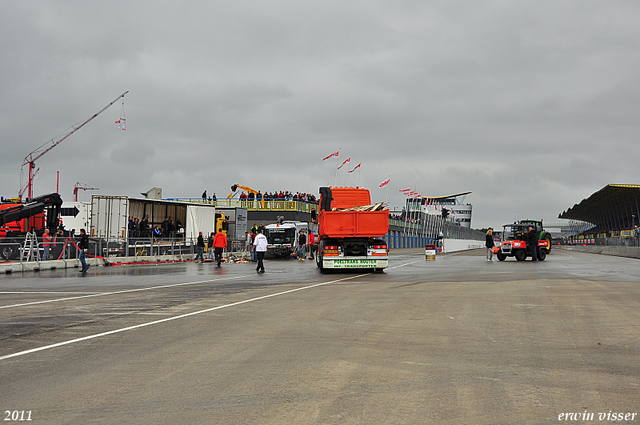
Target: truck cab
x=283, y=237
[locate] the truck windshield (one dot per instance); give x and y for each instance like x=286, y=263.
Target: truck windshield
x=280, y=236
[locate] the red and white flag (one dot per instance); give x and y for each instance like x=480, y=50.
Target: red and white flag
x=336, y=153
x=384, y=183
x=356, y=167
x=121, y=124
x=405, y=190
x=345, y=161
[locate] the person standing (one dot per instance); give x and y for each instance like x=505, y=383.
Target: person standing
x=204, y=196
x=311, y=241
x=178, y=226
x=171, y=228
x=144, y=226
x=83, y=246
x=260, y=244
x=248, y=242
x=489, y=244
x=165, y=227
x=532, y=241
x=302, y=241
x=210, y=245
x=219, y=244
x=46, y=243
x=254, y=257
x=200, y=245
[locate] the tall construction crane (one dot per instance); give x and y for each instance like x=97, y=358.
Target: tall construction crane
x=83, y=187
x=30, y=160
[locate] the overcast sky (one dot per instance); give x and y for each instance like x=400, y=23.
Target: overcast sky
x=530, y=105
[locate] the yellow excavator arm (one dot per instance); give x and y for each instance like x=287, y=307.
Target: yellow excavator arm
x=235, y=188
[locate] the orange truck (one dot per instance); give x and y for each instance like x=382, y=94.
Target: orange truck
x=350, y=235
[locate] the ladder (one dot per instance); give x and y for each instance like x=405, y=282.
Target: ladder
x=30, y=251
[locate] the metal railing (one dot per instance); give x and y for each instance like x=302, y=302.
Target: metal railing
x=603, y=241
x=267, y=205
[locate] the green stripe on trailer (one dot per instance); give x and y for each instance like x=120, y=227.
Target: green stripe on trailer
x=355, y=264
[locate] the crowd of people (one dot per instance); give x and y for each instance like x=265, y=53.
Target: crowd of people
x=142, y=228
x=268, y=196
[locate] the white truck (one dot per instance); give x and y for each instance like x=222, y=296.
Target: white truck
x=283, y=237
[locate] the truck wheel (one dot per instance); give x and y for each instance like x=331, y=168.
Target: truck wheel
x=520, y=255
x=542, y=254
x=501, y=256
x=8, y=252
x=319, y=263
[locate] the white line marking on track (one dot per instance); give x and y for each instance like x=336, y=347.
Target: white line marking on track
x=402, y=265
x=168, y=319
x=44, y=292
x=125, y=291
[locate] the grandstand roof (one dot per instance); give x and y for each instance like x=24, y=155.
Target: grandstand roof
x=614, y=207
x=446, y=197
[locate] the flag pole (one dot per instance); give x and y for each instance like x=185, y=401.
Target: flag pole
x=346, y=182
x=358, y=180
x=386, y=199
x=337, y=159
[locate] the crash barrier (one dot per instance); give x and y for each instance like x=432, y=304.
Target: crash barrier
x=107, y=251
x=618, y=251
x=426, y=230
x=621, y=244
x=66, y=248
x=63, y=253
x=455, y=245
x=14, y=251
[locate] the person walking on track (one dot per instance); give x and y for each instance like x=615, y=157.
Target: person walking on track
x=260, y=244
x=219, y=244
x=200, y=245
x=489, y=244
x=83, y=246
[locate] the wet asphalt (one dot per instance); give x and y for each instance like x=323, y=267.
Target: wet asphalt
x=456, y=340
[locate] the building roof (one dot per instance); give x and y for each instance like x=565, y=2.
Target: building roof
x=614, y=207
x=446, y=197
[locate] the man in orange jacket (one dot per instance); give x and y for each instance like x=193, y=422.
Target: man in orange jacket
x=219, y=244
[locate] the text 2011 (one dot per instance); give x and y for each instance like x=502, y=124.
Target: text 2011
x=17, y=415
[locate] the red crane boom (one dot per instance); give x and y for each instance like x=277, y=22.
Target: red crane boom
x=82, y=186
x=31, y=159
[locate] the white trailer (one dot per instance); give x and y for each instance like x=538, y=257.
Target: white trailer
x=75, y=216
x=109, y=217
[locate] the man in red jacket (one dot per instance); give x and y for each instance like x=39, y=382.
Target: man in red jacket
x=312, y=244
x=46, y=243
x=219, y=244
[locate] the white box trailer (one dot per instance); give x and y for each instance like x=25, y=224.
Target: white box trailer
x=200, y=218
x=75, y=216
x=109, y=216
